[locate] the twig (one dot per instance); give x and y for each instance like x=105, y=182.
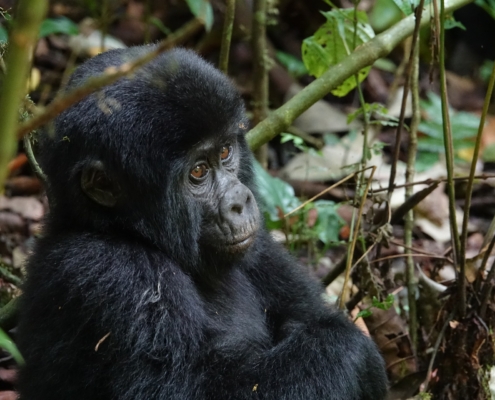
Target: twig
x=412, y=200
x=407, y=255
x=411, y=282
x=326, y=190
x=470, y=183
x=430, y=181
x=435, y=349
x=108, y=77
x=409, y=70
x=228, y=24
x=28, y=148
x=352, y=244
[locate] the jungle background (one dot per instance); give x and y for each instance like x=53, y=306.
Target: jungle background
x=373, y=123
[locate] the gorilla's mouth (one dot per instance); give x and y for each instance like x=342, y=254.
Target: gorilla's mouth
x=241, y=243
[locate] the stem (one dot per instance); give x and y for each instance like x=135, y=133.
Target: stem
x=228, y=25
x=449, y=158
x=412, y=286
x=393, y=171
x=260, y=72
x=352, y=244
x=24, y=35
x=470, y=182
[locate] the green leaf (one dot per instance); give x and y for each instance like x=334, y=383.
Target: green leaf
x=489, y=153
x=4, y=36
x=451, y=22
x=487, y=5
x=464, y=126
x=297, y=141
x=363, y=314
x=7, y=344
x=384, y=14
x=334, y=41
x=426, y=160
x=202, y=9
x=385, y=65
x=59, y=25
x=328, y=223
x=485, y=70
x=294, y=65
x=383, y=305
x=160, y=25
x=277, y=195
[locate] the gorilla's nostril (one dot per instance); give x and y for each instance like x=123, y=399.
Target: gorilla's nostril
x=236, y=208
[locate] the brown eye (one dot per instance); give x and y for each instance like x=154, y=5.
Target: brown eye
x=199, y=171
x=225, y=152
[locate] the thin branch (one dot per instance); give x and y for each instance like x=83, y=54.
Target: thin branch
x=108, y=77
x=430, y=181
x=28, y=148
x=435, y=350
x=449, y=157
x=228, y=24
x=411, y=282
x=470, y=183
x=352, y=244
x=260, y=72
x=409, y=70
x=363, y=56
x=326, y=190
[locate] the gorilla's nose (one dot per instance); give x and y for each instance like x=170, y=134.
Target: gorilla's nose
x=238, y=205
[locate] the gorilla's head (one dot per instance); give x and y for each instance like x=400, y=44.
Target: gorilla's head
x=159, y=156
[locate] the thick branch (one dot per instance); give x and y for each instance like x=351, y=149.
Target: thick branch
x=363, y=56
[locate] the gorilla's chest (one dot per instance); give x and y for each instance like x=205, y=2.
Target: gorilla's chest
x=236, y=317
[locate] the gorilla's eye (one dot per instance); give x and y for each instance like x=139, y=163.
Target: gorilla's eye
x=226, y=152
x=199, y=171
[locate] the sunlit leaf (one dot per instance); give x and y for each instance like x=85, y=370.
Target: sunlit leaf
x=334, y=41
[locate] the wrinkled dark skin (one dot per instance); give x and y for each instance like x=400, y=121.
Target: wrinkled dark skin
x=154, y=278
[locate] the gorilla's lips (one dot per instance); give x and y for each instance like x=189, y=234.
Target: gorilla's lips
x=241, y=243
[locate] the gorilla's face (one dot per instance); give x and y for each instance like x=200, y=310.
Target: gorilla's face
x=168, y=164
x=230, y=216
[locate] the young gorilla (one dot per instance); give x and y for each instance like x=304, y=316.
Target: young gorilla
x=154, y=278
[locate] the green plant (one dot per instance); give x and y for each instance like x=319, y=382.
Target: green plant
x=375, y=303
x=49, y=26
x=317, y=220
x=430, y=145
x=7, y=344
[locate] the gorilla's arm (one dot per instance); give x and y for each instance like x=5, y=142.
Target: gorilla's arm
x=313, y=342
x=111, y=320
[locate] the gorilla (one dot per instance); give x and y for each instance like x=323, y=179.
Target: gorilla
x=154, y=278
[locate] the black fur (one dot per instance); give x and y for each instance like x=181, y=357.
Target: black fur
x=184, y=319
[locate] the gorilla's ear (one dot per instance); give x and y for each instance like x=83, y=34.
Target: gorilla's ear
x=98, y=186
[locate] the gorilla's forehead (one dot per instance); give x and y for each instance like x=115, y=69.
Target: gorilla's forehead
x=173, y=101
